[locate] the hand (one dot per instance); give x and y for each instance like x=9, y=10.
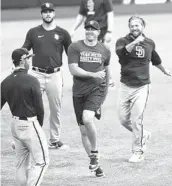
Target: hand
x=167, y=72
x=108, y=37
x=100, y=74
x=139, y=39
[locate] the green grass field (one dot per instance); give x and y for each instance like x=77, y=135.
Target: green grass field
x=70, y=167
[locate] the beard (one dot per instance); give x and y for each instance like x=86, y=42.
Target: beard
x=136, y=35
x=48, y=21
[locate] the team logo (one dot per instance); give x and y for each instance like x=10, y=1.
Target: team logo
x=90, y=6
x=56, y=36
x=47, y=5
x=140, y=52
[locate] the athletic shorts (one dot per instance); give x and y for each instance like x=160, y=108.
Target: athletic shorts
x=92, y=102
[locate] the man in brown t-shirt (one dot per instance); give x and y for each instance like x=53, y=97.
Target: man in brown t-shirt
x=88, y=63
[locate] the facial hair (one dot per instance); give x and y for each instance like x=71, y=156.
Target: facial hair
x=48, y=22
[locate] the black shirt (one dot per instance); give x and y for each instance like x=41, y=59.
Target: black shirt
x=22, y=93
x=96, y=10
x=47, y=46
x=135, y=65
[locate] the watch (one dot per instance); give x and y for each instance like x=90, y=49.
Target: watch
x=109, y=31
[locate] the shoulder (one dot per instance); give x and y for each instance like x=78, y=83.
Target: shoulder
x=76, y=44
x=122, y=39
x=33, y=80
x=34, y=29
x=150, y=41
x=61, y=30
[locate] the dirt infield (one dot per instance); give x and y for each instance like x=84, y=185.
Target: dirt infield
x=70, y=167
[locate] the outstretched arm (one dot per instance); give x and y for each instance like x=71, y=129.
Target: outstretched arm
x=79, y=20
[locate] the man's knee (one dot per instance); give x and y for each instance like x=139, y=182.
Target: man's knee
x=88, y=117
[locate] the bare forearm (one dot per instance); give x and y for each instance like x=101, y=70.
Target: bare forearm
x=110, y=21
x=79, y=20
x=130, y=46
x=79, y=72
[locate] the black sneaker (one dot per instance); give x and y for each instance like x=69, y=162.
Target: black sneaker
x=94, y=162
x=98, y=113
x=58, y=145
x=99, y=172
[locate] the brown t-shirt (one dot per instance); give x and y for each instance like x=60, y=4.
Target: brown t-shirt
x=89, y=58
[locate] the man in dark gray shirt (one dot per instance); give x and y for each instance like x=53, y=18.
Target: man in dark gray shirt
x=22, y=93
x=48, y=42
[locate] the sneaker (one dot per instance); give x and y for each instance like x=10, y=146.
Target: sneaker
x=94, y=162
x=99, y=172
x=136, y=157
x=98, y=113
x=58, y=145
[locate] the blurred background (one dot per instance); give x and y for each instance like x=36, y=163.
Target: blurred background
x=6, y=4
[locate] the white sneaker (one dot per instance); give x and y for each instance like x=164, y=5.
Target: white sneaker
x=136, y=157
x=145, y=139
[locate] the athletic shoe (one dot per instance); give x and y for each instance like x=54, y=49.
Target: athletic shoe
x=99, y=172
x=145, y=140
x=94, y=162
x=58, y=145
x=98, y=113
x=136, y=157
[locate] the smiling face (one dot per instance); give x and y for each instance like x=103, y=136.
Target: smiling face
x=48, y=16
x=91, y=34
x=136, y=27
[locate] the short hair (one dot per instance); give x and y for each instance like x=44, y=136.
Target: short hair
x=138, y=18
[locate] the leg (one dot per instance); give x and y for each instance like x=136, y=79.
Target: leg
x=23, y=164
x=124, y=107
x=138, y=107
x=85, y=140
x=39, y=150
x=54, y=94
x=91, y=131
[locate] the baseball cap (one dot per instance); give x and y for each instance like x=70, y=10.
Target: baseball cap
x=47, y=6
x=19, y=54
x=92, y=24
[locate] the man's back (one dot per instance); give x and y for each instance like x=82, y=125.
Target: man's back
x=22, y=92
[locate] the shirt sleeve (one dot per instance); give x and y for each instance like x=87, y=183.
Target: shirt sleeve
x=37, y=101
x=120, y=48
x=67, y=40
x=108, y=5
x=28, y=44
x=3, y=99
x=107, y=62
x=73, y=54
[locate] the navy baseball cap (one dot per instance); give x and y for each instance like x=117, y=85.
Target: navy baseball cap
x=47, y=6
x=20, y=54
x=92, y=24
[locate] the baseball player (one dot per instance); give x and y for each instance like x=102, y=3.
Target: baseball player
x=22, y=93
x=88, y=63
x=102, y=12
x=135, y=51
x=48, y=41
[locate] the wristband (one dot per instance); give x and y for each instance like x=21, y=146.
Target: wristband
x=109, y=31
